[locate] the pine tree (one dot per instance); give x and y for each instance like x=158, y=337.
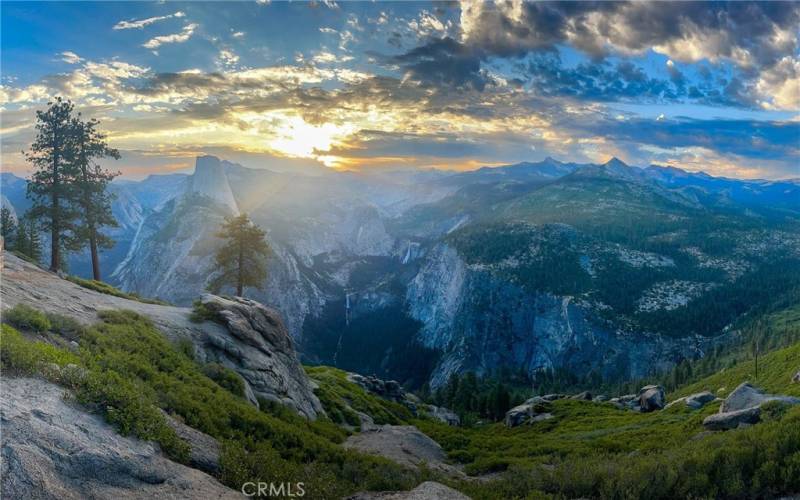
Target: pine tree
x=51, y=185
x=8, y=227
x=242, y=260
x=91, y=193
x=21, y=243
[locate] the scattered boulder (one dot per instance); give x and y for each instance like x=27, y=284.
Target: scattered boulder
x=732, y=419
x=582, y=396
x=53, y=449
x=258, y=347
x=600, y=398
x=205, y=449
x=700, y=399
x=527, y=413
x=387, y=389
x=553, y=397
x=444, y=415
x=429, y=490
x=747, y=396
x=796, y=378
x=518, y=415
x=651, y=398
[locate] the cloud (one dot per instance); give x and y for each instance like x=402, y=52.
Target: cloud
x=444, y=62
x=70, y=57
x=185, y=34
x=141, y=23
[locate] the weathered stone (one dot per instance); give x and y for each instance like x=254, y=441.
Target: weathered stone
x=700, y=399
x=541, y=417
x=553, y=397
x=583, y=396
x=55, y=450
x=204, y=453
x=404, y=444
x=747, y=396
x=732, y=419
x=429, y=490
x=444, y=415
x=796, y=378
x=518, y=415
x=387, y=389
x=651, y=398
x=600, y=398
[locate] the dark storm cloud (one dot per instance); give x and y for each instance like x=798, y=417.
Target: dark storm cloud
x=444, y=61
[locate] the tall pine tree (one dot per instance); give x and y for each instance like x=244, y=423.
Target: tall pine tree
x=242, y=260
x=91, y=183
x=52, y=183
x=8, y=227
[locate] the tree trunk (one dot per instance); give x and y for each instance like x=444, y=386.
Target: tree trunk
x=55, y=229
x=95, y=257
x=240, y=277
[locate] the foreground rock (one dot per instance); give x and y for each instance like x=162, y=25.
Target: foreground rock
x=53, y=450
x=428, y=490
x=205, y=450
x=732, y=419
x=404, y=444
x=747, y=396
x=261, y=352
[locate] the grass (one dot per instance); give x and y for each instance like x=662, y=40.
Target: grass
x=102, y=287
x=128, y=370
x=27, y=318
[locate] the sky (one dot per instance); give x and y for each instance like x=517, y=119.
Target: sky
x=381, y=85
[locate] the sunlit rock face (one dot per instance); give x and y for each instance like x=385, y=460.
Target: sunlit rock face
x=209, y=180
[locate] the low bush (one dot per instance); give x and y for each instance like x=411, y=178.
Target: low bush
x=225, y=377
x=102, y=287
x=202, y=313
x=27, y=318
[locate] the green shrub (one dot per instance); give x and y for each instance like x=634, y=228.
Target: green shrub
x=23, y=357
x=225, y=377
x=102, y=287
x=27, y=318
x=65, y=326
x=202, y=313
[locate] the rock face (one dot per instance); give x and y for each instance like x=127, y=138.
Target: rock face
x=700, y=399
x=404, y=444
x=53, y=450
x=429, y=490
x=651, y=398
x=747, y=396
x=264, y=354
x=204, y=453
x=209, y=180
x=251, y=340
x=445, y=415
x=387, y=389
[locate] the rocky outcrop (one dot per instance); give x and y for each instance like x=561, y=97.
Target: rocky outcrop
x=387, y=389
x=694, y=401
x=404, y=444
x=743, y=406
x=796, y=378
x=651, y=398
x=204, y=449
x=445, y=415
x=54, y=450
x=262, y=353
x=249, y=339
x=747, y=396
x=429, y=490
x=582, y=396
x=532, y=410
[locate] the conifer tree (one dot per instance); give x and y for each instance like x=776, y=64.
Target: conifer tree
x=91, y=188
x=52, y=183
x=8, y=227
x=242, y=260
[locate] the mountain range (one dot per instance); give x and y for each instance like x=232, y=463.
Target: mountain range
x=602, y=270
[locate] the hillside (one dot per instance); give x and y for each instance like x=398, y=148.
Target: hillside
x=125, y=366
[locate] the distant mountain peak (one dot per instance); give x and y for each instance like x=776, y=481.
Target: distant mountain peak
x=209, y=179
x=615, y=162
